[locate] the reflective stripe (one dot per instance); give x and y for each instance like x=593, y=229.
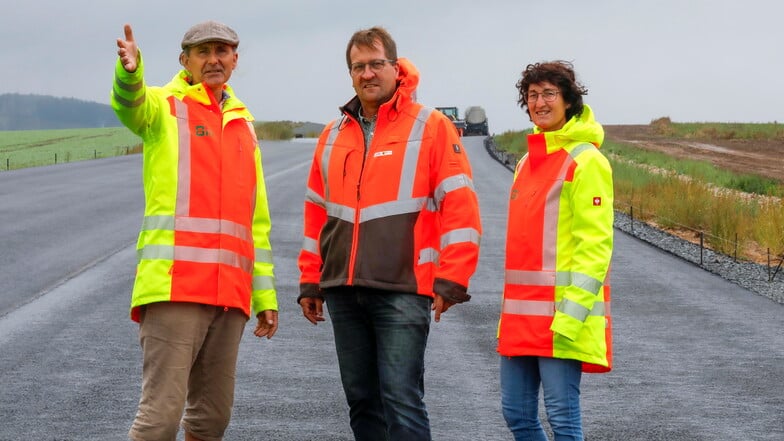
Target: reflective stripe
x=183, y=207
x=528, y=307
x=586, y=282
x=257, y=167
x=553, y=278
x=252, y=131
x=519, y=166
x=460, y=235
x=158, y=223
x=581, y=148
x=405, y=203
x=341, y=212
x=156, y=252
x=263, y=282
x=310, y=245
x=411, y=155
x=133, y=88
x=195, y=254
x=532, y=278
x=546, y=308
x=129, y=87
x=313, y=197
x=392, y=208
x=213, y=226
x=325, y=155
x=550, y=216
x=451, y=183
x=263, y=256
x=552, y=206
x=428, y=255
x=197, y=225
x=127, y=103
x=573, y=309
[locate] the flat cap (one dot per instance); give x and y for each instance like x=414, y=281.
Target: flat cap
x=209, y=31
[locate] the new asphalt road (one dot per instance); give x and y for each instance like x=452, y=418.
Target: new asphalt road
x=696, y=357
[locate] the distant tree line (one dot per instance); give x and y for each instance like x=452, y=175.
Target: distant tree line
x=43, y=112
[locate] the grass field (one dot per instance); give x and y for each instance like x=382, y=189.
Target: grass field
x=31, y=148
x=735, y=212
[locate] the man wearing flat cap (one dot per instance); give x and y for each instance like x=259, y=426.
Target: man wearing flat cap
x=204, y=261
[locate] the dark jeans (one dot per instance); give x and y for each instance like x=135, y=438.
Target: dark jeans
x=380, y=337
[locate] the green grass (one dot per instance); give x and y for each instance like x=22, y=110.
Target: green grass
x=707, y=130
x=700, y=170
x=692, y=196
x=513, y=142
x=31, y=148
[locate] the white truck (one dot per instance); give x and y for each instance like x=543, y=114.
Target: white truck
x=476, y=121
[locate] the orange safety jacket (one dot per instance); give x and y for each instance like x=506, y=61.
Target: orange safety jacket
x=400, y=214
x=556, y=300
x=205, y=233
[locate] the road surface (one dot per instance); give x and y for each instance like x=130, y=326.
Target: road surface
x=696, y=357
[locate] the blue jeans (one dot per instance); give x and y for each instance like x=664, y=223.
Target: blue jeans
x=380, y=337
x=560, y=381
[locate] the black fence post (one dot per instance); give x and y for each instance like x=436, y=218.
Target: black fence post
x=702, y=244
x=778, y=267
x=735, y=256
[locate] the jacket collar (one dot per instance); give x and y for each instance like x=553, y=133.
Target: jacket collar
x=180, y=86
x=579, y=129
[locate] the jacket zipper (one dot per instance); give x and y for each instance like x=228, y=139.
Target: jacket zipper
x=355, y=231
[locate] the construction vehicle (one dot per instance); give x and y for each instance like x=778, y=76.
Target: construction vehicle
x=451, y=113
x=476, y=121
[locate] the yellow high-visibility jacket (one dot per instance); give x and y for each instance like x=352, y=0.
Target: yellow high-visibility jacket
x=556, y=300
x=205, y=233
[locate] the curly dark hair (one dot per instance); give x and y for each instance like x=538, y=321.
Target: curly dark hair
x=559, y=73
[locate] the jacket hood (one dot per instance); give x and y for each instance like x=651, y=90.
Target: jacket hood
x=407, y=80
x=582, y=128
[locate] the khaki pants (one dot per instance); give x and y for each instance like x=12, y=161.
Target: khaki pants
x=190, y=358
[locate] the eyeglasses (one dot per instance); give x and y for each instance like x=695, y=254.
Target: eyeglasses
x=375, y=66
x=548, y=96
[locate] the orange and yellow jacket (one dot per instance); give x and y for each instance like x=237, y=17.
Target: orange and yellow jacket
x=556, y=300
x=205, y=233
x=400, y=215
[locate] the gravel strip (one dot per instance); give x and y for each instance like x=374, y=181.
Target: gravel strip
x=749, y=275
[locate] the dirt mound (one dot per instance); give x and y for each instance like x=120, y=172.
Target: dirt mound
x=754, y=157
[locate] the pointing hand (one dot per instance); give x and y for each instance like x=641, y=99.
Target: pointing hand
x=128, y=52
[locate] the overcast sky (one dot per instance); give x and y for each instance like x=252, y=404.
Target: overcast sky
x=690, y=60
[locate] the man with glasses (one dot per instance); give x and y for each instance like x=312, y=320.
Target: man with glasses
x=391, y=232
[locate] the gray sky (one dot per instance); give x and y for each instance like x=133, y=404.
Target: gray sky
x=691, y=60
